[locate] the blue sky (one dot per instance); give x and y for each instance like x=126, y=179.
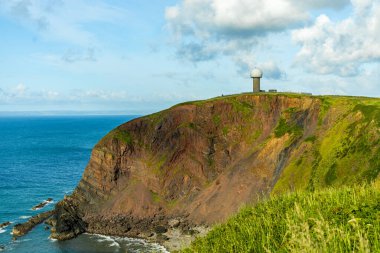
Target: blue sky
x=140, y=56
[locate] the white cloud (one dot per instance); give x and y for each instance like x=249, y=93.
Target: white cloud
x=62, y=21
x=205, y=29
x=238, y=18
x=322, y=4
x=23, y=98
x=272, y=70
x=341, y=47
x=208, y=28
x=98, y=95
x=20, y=90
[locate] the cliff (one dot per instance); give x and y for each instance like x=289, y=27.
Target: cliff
x=197, y=163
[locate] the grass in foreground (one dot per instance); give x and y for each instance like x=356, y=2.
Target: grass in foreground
x=332, y=220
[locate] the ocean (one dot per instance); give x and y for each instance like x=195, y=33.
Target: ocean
x=44, y=157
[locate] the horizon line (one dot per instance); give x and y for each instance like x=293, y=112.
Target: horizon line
x=71, y=113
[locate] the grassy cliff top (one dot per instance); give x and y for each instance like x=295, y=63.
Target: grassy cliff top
x=283, y=94
x=327, y=100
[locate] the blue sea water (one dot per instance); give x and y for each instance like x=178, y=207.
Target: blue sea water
x=44, y=157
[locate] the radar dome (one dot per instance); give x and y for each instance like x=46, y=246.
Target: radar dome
x=256, y=73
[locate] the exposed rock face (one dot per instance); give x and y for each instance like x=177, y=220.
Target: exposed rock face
x=196, y=163
x=69, y=223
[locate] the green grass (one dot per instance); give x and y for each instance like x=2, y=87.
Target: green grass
x=155, y=197
x=344, y=151
x=216, y=119
x=370, y=112
x=311, y=139
x=123, y=136
x=157, y=165
x=330, y=220
x=225, y=130
x=325, y=106
x=118, y=134
x=284, y=127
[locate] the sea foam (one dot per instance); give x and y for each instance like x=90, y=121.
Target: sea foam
x=115, y=241
x=23, y=217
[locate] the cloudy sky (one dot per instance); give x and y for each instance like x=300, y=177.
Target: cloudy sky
x=140, y=56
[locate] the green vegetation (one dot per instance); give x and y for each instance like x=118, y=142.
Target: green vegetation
x=284, y=127
x=225, y=130
x=370, y=112
x=288, y=123
x=330, y=220
x=331, y=175
x=123, y=136
x=155, y=197
x=216, y=120
x=157, y=165
x=117, y=133
x=325, y=106
x=344, y=150
x=311, y=139
x=190, y=125
x=242, y=107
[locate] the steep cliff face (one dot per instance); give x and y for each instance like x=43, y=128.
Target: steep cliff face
x=200, y=161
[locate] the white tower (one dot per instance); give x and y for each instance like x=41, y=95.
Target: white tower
x=256, y=75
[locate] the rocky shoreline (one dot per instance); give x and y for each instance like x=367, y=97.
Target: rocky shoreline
x=173, y=233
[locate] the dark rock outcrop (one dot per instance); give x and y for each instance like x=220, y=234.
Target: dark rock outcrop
x=5, y=224
x=69, y=223
x=42, y=204
x=24, y=228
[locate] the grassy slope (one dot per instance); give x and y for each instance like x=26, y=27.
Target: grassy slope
x=330, y=220
x=317, y=218
x=345, y=151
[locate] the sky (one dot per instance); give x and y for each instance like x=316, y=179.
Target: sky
x=141, y=56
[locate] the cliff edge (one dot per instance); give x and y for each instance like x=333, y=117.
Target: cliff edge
x=197, y=163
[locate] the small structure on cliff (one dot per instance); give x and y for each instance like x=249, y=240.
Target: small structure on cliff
x=256, y=75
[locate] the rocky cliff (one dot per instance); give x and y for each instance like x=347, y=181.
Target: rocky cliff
x=197, y=163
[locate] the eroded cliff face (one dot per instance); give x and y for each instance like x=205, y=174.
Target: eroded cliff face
x=197, y=163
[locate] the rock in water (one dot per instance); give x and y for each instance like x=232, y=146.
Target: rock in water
x=42, y=204
x=69, y=223
x=5, y=224
x=24, y=228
